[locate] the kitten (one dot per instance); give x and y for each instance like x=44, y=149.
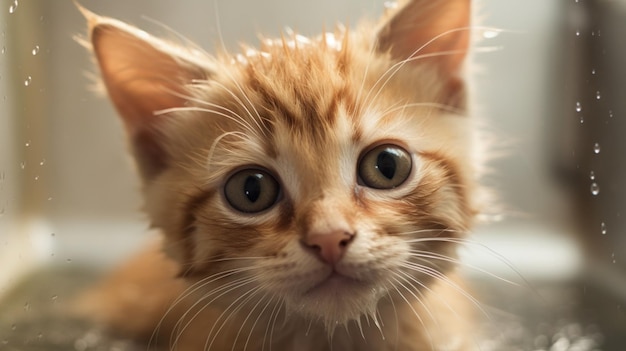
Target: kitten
x=311, y=194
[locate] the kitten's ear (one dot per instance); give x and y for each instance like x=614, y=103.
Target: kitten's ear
x=438, y=29
x=142, y=75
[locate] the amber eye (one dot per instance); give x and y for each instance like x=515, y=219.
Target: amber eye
x=251, y=190
x=385, y=167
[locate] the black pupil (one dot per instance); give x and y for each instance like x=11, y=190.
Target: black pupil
x=386, y=164
x=252, y=187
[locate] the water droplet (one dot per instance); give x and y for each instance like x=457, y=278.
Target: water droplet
x=50, y=198
x=42, y=162
x=2, y=210
x=35, y=50
x=610, y=113
x=579, y=107
x=69, y=260
x=593, y=71
x=390, y=4
x=490, y=34
x=5, y=342
x=3, y=50
x=40, y=336
x=52, y=234
x=26, y=306
x=27, y=144
x=598, y=95
x=592, y=175
x=595, y=189
x=582, y=119
x=613, y=257
x=37, y=177
x=577, y=33
x=27, y=81
x=22, y=165
x=54, y=297
x=603, y=228
x=13, y=327
x=13, y=6
x=596, y=148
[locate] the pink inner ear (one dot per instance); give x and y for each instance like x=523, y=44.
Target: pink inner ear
x=143, y=75
x=424, y=28
x=140, y=78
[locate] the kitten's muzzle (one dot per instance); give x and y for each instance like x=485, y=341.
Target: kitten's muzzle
x=328, y=247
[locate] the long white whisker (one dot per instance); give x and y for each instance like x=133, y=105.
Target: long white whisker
x=241, y=300
x=432, y=255
x=443, y=278
x=417, y=315
x=225, y=290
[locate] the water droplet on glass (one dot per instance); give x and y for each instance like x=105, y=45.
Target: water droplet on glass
x=35, y=50
x=27, y=144
x=27, y=81
x=69, y=260
x=52, y=234
x=40, y=336
x=54, y=298
x=592, y=175
x=42, y=162
x=603, y=228
x=579, y=107
x=593, y=71
x=613, y=257
x=5, y=342
x=598, y=95
x=596, y=148
x=13, y=6
x=13, y=327
x=390, y=4
x=582, y=119
x=3, y=50
x=26, y=306
x=595, y=189
x=490, y=34
x=610, y=113
x=577, y=33
x=22, y=165
x=50, y=198
x=36, y=177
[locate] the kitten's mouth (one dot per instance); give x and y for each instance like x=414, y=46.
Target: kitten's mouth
x=336, y=282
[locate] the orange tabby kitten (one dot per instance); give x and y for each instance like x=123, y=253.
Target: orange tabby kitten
x=310, y=194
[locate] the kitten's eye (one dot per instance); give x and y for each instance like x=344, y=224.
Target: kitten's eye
x=251, y=190
x=385, y=167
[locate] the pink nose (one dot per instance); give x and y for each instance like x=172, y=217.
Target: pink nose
x=329, y=247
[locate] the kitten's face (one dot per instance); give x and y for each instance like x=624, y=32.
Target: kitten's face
x=319, y=173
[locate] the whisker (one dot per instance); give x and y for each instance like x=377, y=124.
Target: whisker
x=417, y=315
x=227, y=288
x=443, y=278
x=246, y=296
x=432, y=255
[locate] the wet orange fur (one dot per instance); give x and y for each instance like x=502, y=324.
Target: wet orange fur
x=304, y=109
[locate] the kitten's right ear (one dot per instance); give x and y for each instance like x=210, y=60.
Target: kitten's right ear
x=143, y=75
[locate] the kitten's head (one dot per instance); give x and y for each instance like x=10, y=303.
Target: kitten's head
x=323, y=173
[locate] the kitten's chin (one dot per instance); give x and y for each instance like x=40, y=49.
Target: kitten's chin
x=337, y=300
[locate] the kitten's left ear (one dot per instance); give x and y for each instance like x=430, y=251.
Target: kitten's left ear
x=143, y=75
x=434, y=31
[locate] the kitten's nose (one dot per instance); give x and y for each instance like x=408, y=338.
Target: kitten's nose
x=329, y=247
